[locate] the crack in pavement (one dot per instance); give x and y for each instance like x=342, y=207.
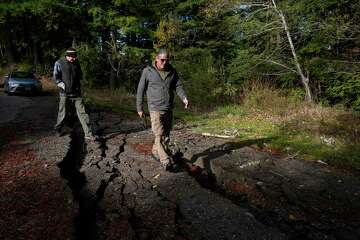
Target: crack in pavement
x=86, y=192
x=69, y=170
x=120, y=193
x=122, y=189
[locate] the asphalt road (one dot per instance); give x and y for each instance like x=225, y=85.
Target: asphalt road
x=66, y=188
x=11, y=106
x=35, y=202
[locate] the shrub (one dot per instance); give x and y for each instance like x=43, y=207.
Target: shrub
x=43, y=70
x=94, y=65
x=345, y=88
x=337, y=82
x=260, y=96
x=25, y=67
x=198, y=74
x=135, y=60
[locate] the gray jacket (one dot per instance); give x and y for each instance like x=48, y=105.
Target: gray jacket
x=159, y=92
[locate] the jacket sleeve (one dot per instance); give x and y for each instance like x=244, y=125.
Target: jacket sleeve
x=141, y=92
x=179, y=88
x=57, y=73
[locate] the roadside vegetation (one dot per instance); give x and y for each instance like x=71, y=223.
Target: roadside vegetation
x=119, y=101
x=280, y=122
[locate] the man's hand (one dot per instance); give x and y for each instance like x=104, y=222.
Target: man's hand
x=186, y=103
x=61, y=85
x=141, y=114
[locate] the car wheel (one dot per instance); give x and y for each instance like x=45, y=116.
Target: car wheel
x=9, y=93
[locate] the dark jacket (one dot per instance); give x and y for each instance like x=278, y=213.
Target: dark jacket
x=159, y=92
x=70, y=74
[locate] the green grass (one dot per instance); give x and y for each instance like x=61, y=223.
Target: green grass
x=300, y=140
x=308, y=131
x=118, y=101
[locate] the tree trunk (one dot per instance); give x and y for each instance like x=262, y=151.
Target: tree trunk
x=35, y=52
x=2, y=50
x=9, y=51
x=304, y=79
x=112, y=79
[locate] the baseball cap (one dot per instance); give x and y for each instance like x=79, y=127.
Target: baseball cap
x=71, y=52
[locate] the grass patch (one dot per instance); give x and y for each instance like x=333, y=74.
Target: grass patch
x=245, y=126
x=289, y=125
x=117, y=100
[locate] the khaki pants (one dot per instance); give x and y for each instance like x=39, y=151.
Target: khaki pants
x=80, y=111
x=161, y=122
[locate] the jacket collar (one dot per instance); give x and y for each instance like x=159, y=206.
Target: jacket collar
x=169, y=68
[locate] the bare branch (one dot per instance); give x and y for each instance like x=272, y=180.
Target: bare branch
x=274, y=74
x=265, y=31
x=255, y=12
x=342, y=61
x=110, y=62
x=255, y=3
x=304, y=79
x=280, y=64
x=277, y=21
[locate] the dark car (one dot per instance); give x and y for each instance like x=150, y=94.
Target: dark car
x=22, y=82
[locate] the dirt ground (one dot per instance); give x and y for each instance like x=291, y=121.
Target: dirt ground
x=66, y=188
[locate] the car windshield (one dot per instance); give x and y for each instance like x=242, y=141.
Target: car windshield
x=22, y=75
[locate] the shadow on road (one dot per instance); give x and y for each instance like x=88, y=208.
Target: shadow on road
x=85, y=222
x=217, y=151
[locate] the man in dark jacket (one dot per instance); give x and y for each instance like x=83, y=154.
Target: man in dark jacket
x=67, y=75
x=159, y=81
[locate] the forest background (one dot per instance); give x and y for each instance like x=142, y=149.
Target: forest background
x=260, y=60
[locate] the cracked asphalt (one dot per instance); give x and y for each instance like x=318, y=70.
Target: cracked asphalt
x=65, y=188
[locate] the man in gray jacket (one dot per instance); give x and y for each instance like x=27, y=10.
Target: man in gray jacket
x=67, y=75
x=159, y=81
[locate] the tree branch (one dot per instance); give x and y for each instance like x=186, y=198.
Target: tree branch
x=255, y=12
x=265, y=31
x=280, y=64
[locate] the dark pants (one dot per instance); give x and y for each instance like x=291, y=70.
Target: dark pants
x=80, y=111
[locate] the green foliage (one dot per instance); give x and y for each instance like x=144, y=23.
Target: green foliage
x=167, y=32
x=136, y=59
x=345, y=88
x=356, y=104
x=24, y=67
x=218, y=45
x=338, y=81
x=198, y=74
x=225, y=51
x=226, y=93
x=44, y=70
x=32, y=30
x=94, y=66
x=242, y=66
